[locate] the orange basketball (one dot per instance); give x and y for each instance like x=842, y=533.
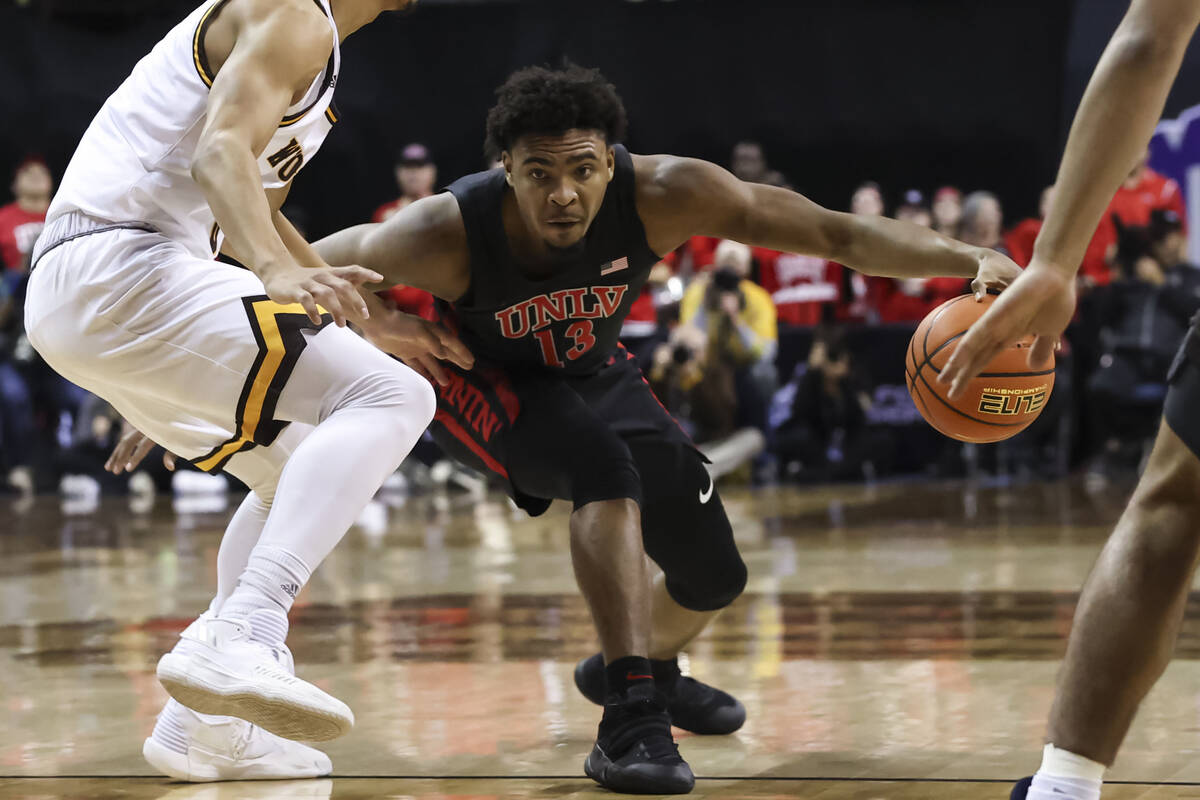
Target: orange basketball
x=1001, y=402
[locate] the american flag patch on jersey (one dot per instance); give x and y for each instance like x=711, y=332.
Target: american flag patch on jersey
x=615, y=266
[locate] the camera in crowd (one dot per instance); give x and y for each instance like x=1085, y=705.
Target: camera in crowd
x=725, y=282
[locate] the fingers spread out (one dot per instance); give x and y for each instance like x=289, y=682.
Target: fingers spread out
x=348, y=300
x=120, y=454
x=310, y=307
x=140, y=452
x=972, y=362
x=329, y=299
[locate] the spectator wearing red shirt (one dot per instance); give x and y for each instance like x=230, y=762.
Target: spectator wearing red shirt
x=416, y=175
x=805, y=289
x=21, y=221
x=909, y=300
x=1021, y=238
x=982, y=218
x=1143, y=192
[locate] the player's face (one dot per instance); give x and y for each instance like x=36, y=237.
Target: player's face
x=559, y=182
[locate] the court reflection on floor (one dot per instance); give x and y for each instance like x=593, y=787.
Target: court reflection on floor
x=906, y=631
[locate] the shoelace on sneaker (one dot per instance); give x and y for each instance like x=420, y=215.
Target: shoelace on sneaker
x=634, y=720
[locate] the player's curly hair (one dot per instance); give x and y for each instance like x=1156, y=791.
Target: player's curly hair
x=546, y=101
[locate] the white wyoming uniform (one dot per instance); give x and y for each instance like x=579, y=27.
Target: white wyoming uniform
x=126, y=300
x=134, y=162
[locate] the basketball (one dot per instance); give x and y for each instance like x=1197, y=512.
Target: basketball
x=1001, y=402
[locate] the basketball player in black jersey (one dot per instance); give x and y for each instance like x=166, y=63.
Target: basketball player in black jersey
x=536, y=265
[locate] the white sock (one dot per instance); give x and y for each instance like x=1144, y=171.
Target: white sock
x=269, y=583
x=1066, y=776
x=241, y=535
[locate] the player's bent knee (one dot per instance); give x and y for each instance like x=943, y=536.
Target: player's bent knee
x=709, y=591
x=708, y=574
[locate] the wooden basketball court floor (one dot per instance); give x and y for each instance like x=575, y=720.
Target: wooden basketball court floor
x=894, y=643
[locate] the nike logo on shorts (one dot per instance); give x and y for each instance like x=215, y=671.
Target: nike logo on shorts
x=707, y=494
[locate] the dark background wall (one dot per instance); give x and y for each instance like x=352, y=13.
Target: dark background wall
x=839, y=91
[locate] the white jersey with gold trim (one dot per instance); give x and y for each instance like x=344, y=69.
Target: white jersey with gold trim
x=134, y=162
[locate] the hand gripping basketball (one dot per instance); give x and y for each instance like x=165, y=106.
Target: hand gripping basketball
x=1039, y=304
x=1001, y=401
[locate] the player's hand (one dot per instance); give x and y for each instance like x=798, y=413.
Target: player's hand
x=419, y=343
x=334, y=289
x=131, y=449
x=1039, y=303
x=996, y=271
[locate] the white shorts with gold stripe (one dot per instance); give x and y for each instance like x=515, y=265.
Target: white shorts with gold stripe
x=190, y=350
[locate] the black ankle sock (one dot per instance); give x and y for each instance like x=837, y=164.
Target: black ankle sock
x=627, y=671
x=665, y=671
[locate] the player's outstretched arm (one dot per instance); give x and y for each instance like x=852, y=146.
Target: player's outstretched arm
x=279, y=48
x=683, y=197
x=1115, y=120
x=424, y=245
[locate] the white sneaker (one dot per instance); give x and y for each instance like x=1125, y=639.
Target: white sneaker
x=231, y=749
x=217, y=669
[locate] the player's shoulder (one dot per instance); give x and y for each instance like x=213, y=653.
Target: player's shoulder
x=664, y=171
x=673, y=179
x=301, y=25
x=436, y=212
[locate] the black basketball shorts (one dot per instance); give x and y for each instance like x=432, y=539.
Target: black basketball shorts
x=591, y=438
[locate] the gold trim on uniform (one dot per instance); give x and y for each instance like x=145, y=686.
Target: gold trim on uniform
x=198, y=56
x=277, y=328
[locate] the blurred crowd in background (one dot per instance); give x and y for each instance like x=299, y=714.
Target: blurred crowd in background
x=794, y=357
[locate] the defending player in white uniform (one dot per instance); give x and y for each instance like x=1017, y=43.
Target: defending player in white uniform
x=233, y=368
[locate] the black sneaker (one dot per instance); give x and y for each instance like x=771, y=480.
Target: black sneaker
x=1021, y=790
x=694, y=706
x=634, y=752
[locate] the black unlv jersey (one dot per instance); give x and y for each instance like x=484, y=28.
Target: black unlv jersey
x=570, y=321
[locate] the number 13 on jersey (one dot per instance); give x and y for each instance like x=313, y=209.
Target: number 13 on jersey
x=581, y=340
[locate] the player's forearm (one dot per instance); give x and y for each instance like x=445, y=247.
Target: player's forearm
x=344, y=248
x=1115, y=120
x=297, y=245
x=893, y=249
x=782, y=220
x=226, y=172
